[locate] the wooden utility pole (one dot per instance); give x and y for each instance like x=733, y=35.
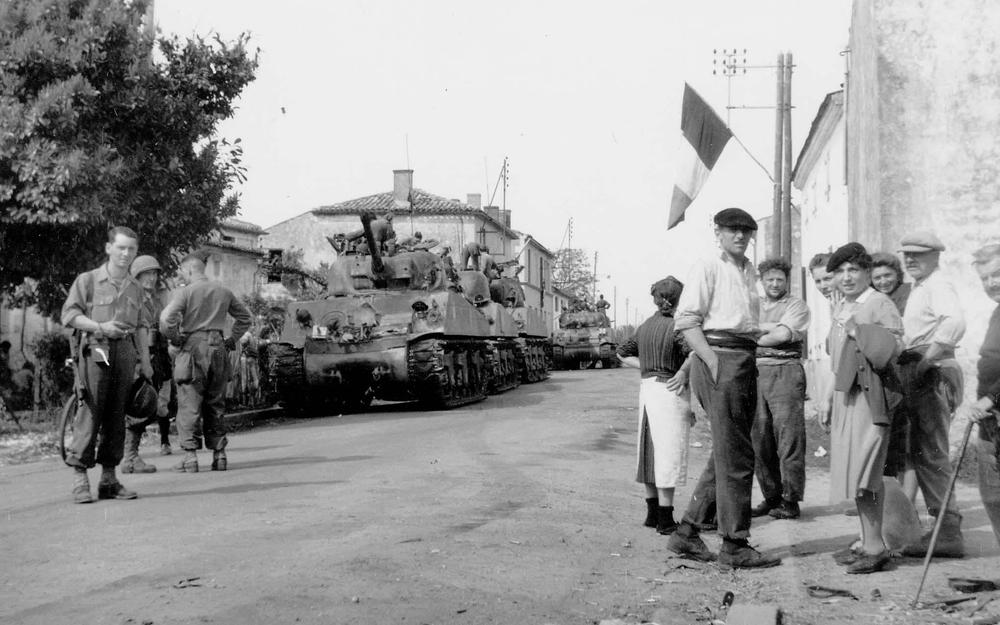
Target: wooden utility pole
x=776, y=220
x=786, y=174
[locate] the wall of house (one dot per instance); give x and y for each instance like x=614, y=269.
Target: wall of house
x=240, y=271
x=922, y=126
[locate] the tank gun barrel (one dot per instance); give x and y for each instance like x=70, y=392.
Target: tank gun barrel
x=373, y=245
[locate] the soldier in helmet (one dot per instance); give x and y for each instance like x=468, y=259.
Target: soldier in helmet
x=146, y=271
x=194, y=321
x=107, y=308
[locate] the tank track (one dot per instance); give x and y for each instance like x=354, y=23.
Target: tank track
x=501, y=363
x=532, y=359
x=445, y=373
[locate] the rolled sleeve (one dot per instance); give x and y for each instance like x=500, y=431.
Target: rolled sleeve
x=241, y=316
x=171, y=317
x=796, y=319
x=695, y=298
x=951, y=324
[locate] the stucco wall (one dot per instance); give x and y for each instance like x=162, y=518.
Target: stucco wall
x=923, y=123
x=238, y=271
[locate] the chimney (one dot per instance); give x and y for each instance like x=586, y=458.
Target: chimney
x=402, y=185
x=474, y=200
x=505, y=217
x=493, y=211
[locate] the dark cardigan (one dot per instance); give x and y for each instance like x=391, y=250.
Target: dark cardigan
x=866, y=362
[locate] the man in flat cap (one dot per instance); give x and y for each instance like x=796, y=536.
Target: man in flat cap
x=194, y=322
x=664, y=406
x=933, y=324
x=718, y=315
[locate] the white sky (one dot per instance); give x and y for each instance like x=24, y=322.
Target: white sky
x=582, y=96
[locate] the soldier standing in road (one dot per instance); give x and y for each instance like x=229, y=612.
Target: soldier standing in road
x=664, y=405
x=779, y=430
x=146, y=271
x=718, y=316
x=107, y=308
x=193, y=321
x=933, y=324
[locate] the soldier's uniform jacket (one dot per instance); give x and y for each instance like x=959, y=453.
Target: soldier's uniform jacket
x=96, y=296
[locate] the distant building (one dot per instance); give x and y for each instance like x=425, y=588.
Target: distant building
x=536, y=277
x=236, y=256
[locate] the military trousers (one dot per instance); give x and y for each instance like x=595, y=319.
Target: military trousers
x=727, y=481
x=930, y=401
x=779, y=431
x=201, y=371
x=99, y=428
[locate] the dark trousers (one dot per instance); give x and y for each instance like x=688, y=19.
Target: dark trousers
x=201, y=371
x=930, y=401
x=727, y=481
x=989, y=472
x=99, y=428
x=779, y=431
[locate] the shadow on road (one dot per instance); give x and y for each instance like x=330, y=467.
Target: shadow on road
x=293, y=460
x=237, y=489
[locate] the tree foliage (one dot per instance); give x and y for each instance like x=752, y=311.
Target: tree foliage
x=98, y=130
x=573, y=274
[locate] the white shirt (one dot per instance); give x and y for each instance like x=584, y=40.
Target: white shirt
x=933, y=313
x=719, y=295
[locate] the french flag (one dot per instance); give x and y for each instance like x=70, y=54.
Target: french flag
x=704, y=135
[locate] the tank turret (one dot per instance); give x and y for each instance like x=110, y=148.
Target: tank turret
x=582, y=339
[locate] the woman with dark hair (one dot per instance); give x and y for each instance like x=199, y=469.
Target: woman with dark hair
x=864, y=340
x=887, y=277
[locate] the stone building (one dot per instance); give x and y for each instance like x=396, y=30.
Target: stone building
x=236, y=256
x=922, y=127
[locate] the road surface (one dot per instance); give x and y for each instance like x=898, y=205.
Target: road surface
x=518, y=509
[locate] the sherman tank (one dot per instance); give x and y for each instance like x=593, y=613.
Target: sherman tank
x=397, y=328
x=582, y=339
x=534, y=352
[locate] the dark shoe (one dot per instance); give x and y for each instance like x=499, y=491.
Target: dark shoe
x=81, y=488
x=219, y=462
x=764, y=507
x=708, y=526
x=137, y=465
x=652, y=505
x=165, y=449
x=114, y=490
x=189, y=464
x=846, y=556
x=785, y=510
x=691, y=547
x=745, y=557
x=868, y=563
x=665, y=521
x=950, y=544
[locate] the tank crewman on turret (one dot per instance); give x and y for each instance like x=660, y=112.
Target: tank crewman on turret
x=146, y=271
x=470, y=251
x=383, y=232
x=408, y=244
x=602, y=305
x=105, y=307
x=488, y=263
x=194, y=321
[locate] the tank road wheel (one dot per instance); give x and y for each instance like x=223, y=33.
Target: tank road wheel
x=448, y=373
x=532, y=361
x=501, y=366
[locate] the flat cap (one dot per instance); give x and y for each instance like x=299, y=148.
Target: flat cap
x=735, y=218
x=845, y=253
x=921, y=241
x=199, y=255
x=668, y=288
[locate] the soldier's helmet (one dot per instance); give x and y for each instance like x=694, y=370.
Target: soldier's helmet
x=144, y=263
x=142, y=400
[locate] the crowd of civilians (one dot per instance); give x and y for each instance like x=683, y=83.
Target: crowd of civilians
x=731, y=339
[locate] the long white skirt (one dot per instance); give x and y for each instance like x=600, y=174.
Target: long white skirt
x=664, y=432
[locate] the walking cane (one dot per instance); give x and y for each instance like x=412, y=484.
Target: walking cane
x=944, y=503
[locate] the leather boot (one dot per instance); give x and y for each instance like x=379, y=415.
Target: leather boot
x=110, y=488
x=950, y=543
x=666, y=525
x=189, y=464
x=651, y=512
x=132, y=462
x=81, y=486
x=219, y=461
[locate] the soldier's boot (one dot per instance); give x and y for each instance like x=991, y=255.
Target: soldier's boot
x=950, y=543
x=189, y=464
x=132, y=462
x=81, y=486
x=219, y=461
x=110, y=488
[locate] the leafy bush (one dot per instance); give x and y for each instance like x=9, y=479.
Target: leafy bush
x=55, y=378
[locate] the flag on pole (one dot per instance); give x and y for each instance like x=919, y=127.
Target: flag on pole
x=704, y=134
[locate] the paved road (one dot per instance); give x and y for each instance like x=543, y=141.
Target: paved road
x=519, y=509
